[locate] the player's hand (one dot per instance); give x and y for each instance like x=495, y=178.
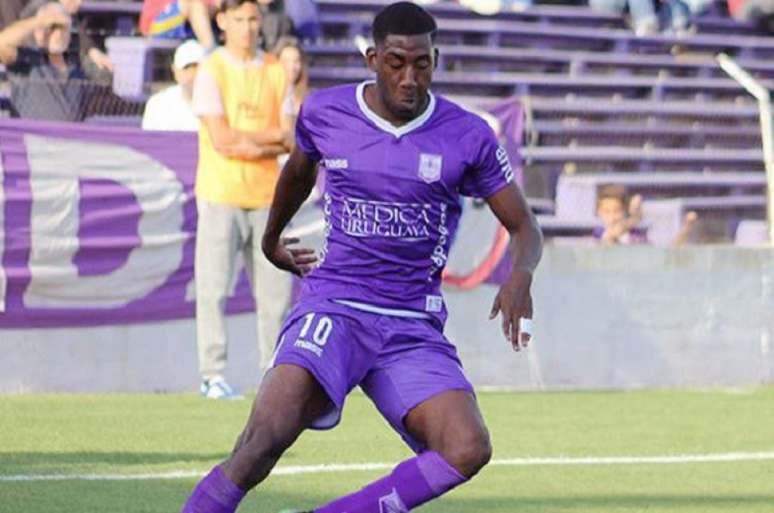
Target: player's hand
x=514, y=301
x=299, y=261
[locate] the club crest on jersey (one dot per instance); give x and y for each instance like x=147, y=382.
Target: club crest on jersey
x=391, y=503
x=430, y=167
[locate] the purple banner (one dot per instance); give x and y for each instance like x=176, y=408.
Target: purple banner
x=98, y=226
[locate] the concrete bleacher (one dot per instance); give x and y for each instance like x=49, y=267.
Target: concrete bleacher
x=597, y=98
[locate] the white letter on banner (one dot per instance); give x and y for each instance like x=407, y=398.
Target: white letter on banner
x=2, y=236
x=56, y=165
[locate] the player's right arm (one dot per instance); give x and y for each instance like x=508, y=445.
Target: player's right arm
x=293, y=188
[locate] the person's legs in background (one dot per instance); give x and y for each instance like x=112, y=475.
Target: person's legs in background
x=218, y=238
x=272, y=289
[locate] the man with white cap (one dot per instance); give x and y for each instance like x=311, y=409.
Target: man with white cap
x=170, y=109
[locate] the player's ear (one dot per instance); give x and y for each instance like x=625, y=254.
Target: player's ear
x=370, y=56
x=436, y=55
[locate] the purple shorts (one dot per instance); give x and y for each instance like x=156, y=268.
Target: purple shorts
x=398, y=362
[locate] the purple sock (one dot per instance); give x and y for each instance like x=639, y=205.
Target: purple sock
x=214, y=494
x=412, y=483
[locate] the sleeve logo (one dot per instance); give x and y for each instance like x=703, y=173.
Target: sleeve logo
x=505, y=164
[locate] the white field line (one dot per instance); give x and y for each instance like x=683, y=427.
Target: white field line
x=358, y=467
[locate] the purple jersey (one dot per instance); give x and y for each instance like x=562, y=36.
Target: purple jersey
x=392, y=197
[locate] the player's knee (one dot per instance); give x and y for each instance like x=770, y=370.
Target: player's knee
x=470, y=453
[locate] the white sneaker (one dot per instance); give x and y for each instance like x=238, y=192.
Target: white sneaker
x=218, y=389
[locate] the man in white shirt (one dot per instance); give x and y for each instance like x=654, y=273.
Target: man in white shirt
x=171, y=109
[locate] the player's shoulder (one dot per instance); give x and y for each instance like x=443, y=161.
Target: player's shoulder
x=329, y=99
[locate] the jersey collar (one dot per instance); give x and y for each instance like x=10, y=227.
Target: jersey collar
x=383, y=124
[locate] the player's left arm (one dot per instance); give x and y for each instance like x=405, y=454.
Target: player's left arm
x=514, y=299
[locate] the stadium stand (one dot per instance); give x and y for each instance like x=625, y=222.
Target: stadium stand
x=601, y=105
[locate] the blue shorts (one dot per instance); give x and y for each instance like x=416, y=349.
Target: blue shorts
x=398, y=362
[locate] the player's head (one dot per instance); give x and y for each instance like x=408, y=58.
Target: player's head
x=403, y=57
x=240, y=21
x=612, y=203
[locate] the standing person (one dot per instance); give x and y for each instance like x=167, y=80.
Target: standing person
x=238, y=95
x=171, y=108
x=397, y=158
x=292, y=58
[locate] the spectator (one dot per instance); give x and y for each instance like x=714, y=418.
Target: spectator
x=81, y=41
x=642, y=13
x=292, y=58
x=10, y=11
x=180, y=19
x=275, y=25
x=171, y=109
x=760, y=12
x=620, y=217
x=47, y=81
x=239, y=95
x=305, y=16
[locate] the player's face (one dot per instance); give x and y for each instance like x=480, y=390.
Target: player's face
x=404, y=70
x=241, y=26
x=611, y=211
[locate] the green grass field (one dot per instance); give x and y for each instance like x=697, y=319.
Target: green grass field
x=104, y=436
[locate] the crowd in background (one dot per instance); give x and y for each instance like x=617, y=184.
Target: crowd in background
x=55, y=68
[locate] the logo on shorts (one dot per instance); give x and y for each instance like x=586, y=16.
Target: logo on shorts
x=433, y=303
x=430, y=167
x=392, y=503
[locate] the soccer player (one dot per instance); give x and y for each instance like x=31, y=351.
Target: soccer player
x=371, y=314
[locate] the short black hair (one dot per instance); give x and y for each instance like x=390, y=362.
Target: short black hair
x=403, y=19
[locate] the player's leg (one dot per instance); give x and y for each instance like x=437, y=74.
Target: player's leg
x=289, y=400
x=271, y=288
x=218, y=238
x=451, y=425
x=320, y=358
x=419, y=387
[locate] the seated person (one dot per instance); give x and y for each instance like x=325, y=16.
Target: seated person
x=171, y=108
x=47, y=81
x=620, y=216
x=180, y=19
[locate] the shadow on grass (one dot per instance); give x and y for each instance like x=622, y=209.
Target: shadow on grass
x=37, y=462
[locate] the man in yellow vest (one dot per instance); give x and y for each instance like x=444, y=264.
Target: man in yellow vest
x=240, y=97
